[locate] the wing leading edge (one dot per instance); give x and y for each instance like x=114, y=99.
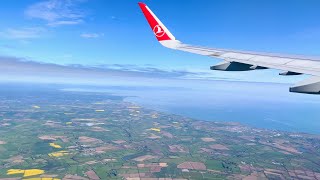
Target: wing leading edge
x=243, y=60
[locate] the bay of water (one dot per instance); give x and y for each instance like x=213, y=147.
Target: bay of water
x=262, y=105
x=259, y=105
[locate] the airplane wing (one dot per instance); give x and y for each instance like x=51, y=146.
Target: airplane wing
x=243, y=60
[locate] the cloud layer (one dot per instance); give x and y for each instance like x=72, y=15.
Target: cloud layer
x=14, y=69
x=57, y=12
x=21, y=70
x=91, y=35
x=23, y=33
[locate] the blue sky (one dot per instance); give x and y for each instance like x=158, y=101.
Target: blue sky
x=96, y=32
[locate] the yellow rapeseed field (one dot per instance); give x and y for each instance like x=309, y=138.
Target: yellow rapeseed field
x=99, y=110
x=55, y=145
x=155, y=129
x=26, y=172
x=15, y=171
x=97, y=103
x=58, y=154
x=44, y=178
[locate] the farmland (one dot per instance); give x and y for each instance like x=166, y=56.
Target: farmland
x=73, y=135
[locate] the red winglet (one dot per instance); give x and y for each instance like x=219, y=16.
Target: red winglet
x=159, y=30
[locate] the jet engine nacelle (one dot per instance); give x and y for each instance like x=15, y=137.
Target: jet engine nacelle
x=308, y=86
x=235, y=66
x=289, y=73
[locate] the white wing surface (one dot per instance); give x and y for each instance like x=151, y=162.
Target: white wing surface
x=243, y=60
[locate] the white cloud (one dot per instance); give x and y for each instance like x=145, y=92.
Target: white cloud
x=60, y=23
x=57, y=12
x=91, y=35
x=23, y=33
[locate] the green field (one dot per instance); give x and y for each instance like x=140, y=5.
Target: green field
x=128, y=141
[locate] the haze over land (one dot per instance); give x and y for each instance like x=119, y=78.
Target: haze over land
x=197, y=94
x=53, y=134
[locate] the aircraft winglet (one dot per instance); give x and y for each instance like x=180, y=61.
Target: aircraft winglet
x=159, y=30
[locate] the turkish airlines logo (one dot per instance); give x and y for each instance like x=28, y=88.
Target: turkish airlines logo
x=158, y=31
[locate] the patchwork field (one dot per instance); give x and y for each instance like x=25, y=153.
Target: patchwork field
x=65, y=135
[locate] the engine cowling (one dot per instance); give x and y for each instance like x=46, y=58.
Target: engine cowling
x=289, y=73
x=231, y=66
x=308, y=86
x=235, y=66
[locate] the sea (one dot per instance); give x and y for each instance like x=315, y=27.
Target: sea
x=260, y=105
